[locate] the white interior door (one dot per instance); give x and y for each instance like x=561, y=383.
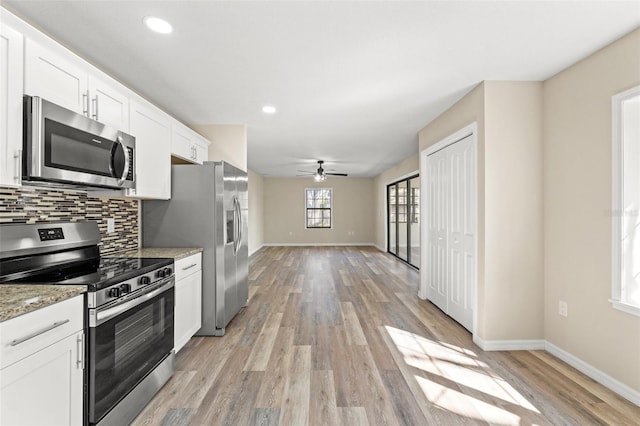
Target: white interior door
x=451, y=230
x=461, y=231
x=437, y=223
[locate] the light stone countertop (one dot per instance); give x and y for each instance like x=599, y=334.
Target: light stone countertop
x=175, y=252
x=18, y=299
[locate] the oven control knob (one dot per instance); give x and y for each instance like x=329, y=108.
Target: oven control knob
x=114, y=292
x=160, y=273
x=125, y=288
x=144, y=280
x=167, y=272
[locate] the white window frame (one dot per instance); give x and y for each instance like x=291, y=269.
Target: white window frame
x=617, y=212
x=330, y=208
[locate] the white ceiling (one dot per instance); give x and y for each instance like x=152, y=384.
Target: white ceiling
x=353, y=82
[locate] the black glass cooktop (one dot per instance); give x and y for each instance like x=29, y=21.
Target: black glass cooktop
x=98, y=274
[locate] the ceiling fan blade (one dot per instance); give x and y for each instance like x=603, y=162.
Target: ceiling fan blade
x=337, y=174
x=307, y=172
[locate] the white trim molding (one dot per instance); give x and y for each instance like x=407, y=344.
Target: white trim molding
x=509, y=345
x=619, y=299
x=543, y=345
x=597, y=375
x=257, y=249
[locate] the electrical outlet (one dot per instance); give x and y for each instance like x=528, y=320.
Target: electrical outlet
x=290, y=233
x=563, y=308
x=111, y=225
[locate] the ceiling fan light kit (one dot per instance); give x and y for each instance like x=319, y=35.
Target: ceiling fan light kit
x=320, y=175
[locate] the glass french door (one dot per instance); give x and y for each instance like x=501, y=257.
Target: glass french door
x=403, y=216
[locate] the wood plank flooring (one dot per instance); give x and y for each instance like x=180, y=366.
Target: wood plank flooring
x=338, y=336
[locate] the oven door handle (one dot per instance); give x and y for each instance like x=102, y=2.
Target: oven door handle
x=101, y=317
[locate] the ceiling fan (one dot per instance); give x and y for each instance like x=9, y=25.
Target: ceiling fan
x=320, y=175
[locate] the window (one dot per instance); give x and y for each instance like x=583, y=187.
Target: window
x=626, y=201
x=318, y=207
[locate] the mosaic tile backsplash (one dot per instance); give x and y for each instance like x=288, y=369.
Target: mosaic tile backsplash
x=37, y=205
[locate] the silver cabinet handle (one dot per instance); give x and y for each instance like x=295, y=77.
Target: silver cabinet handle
x=189, y=267
x=94, y=107
x=80, y=356
x=18, y=157
x=85, y=103
x=57, y=324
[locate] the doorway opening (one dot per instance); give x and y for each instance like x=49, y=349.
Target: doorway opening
x=403, y=220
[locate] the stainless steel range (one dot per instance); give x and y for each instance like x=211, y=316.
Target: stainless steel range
x=129, y=310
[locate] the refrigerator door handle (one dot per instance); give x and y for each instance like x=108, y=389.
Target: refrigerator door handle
x=239, y=226
x=236, y=228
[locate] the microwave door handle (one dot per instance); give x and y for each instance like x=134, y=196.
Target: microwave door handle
x=125, y=170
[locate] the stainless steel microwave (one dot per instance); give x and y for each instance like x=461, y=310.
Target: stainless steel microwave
x=64, y=148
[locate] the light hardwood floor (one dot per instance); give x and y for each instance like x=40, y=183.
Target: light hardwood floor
x=337, y=336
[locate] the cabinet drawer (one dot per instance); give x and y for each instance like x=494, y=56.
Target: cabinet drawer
x=29, y=333
x=188, y=265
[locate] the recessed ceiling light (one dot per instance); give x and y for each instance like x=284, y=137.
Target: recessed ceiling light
x=158, y=25
x=269, y=109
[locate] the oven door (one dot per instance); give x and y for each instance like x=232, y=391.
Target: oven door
x=126, y=342
x=64, y=146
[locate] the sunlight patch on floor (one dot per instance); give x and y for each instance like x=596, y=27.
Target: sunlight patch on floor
x=460, y=366
x=465, y=405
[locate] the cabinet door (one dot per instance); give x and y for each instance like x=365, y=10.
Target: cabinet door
x=151, y=128
x=54, y=77
x=201, y=150
x=188, y=308
x=11, y=86
x=109, y=105
x=46, y=387
x=188, y=313
x=181, y=141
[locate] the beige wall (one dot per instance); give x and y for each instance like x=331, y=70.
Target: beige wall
x=513, y=276
x=228, y=142
x=409, y=165
x=256, y=211
x=577, y=202
x=509, y=157
x=284, y=211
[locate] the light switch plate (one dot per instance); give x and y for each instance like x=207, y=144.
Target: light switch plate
x=111, y=225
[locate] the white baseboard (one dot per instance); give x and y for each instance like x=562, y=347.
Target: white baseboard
x=509, y=345
x=382, y=249
x=316, y=244
x=587, y=369
x=597, y=375
x=251, y=253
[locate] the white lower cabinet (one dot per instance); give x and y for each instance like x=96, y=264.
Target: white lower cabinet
x=42, y=378
x=188, y=310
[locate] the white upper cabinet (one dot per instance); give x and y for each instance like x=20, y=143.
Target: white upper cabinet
x=63, y=80
x=152, y=130
x=109, y=105
x=11, y=84
x=55, y=78
x=188, y=145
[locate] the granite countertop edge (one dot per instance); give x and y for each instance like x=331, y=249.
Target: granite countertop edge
x=176, y=253
x=19, y=299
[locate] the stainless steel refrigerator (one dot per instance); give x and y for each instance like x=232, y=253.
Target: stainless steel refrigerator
x=209, y=209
